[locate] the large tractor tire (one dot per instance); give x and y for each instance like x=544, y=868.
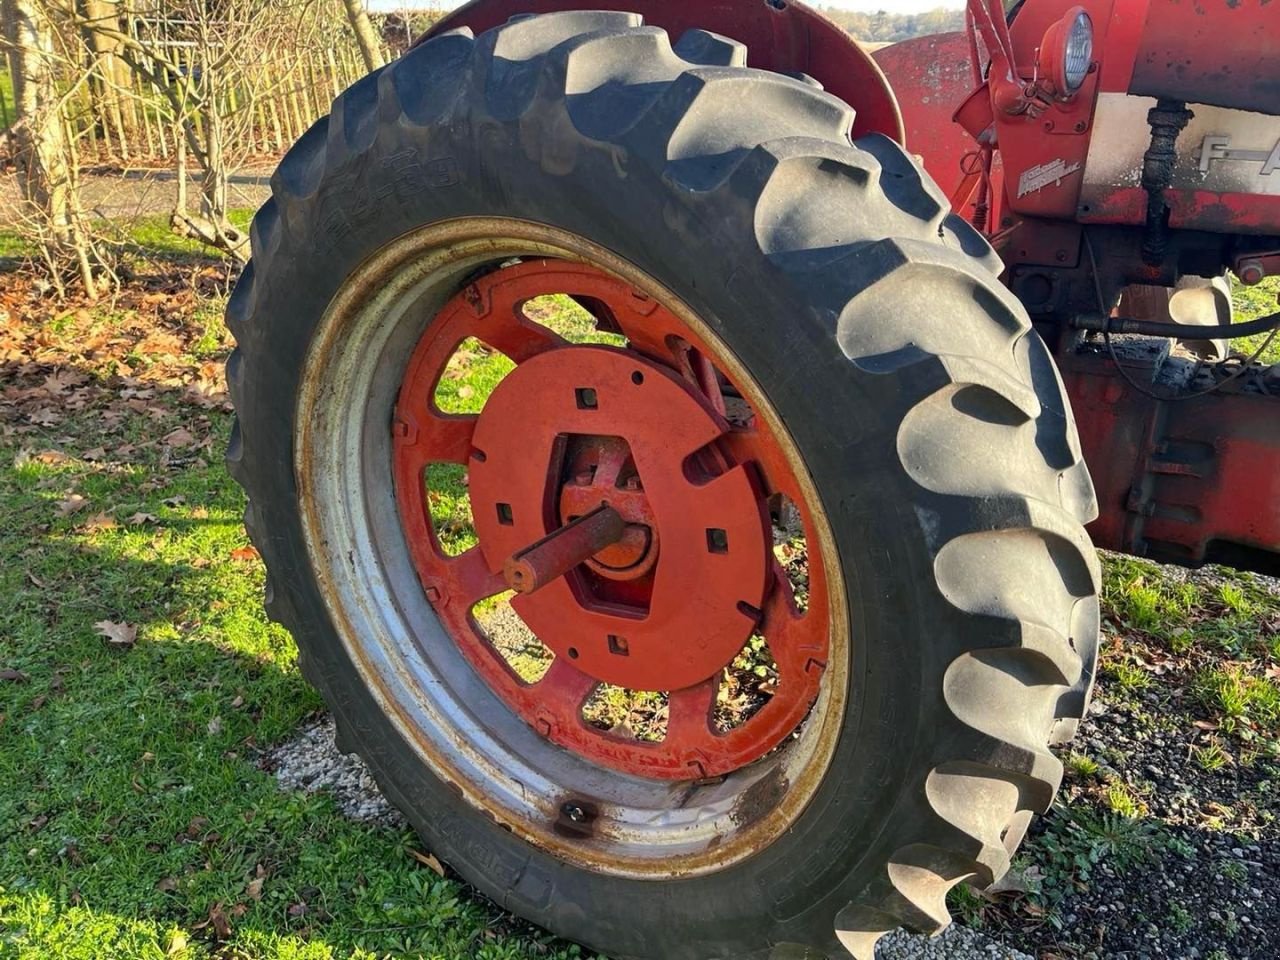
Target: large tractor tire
x=785, y=316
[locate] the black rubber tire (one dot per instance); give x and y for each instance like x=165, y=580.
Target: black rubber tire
x=930, y=416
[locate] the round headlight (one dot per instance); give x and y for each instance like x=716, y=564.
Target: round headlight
x=1079, y=52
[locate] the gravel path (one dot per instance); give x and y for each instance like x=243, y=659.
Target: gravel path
x=131, y=193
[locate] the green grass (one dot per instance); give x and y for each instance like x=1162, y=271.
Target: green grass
x=146, y=237
x=6, y=99
x=1251, y=303
x=132, y=808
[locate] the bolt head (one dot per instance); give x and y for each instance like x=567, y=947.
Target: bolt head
x=1252, y=272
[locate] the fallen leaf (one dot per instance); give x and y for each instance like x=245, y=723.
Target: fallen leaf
x=181, y=437
x=73, y=504
x=174, y=501
x=218, y=920
x=297, y=909
x=167, y=884
x=245, y=553
x=214, y=726
x=97, y=453
x=237, y=703
x=13, y=676
x=98, y=522
x=116, y=634
x=197, y=825
x=466, y=392
x=428, y=860
x=139, y=518
x=254, y=889
x=1204, y=725
x=1273, y=672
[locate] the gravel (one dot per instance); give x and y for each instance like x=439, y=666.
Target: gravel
x=955, y=943
x=311, y=762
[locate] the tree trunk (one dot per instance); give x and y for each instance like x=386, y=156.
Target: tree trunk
x=366, y=36
x=42, y=152
x=111, y=81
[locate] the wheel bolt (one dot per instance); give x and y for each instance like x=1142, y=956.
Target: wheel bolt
x=574, y=812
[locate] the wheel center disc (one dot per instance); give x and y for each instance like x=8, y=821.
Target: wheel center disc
x=579, y=427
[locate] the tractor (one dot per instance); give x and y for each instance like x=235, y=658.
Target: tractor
x=950, y=317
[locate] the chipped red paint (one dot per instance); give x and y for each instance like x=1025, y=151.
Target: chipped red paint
x=644, y=431
x=1181, y=482
x=785, y=37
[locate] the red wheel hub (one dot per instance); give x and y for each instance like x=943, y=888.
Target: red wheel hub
x=706, y=589
x=624, y=494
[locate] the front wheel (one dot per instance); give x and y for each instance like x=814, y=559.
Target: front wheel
x=773, y=588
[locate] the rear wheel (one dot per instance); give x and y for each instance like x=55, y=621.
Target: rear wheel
x=787, y=332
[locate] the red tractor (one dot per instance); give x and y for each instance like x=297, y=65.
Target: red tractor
x=789, y=326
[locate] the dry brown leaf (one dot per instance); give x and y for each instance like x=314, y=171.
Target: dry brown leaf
x=245, y=553
x=99, y=521
x=139, y=518
x=167, y=884
x=73, y=504
x=428, y=860
x=254, y=889
x=116, y=634
x=218, y=921
x=97, y=453
x=13, y=676
x=181, y=437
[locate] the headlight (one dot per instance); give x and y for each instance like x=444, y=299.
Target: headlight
x=1078, y=54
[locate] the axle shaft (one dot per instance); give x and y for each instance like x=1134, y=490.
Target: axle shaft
x=561, y=550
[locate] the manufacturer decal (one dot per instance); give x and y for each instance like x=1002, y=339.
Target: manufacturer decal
x=1052, y=173
x=1217, y=147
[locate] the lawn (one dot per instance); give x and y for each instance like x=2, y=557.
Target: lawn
x=141, y=680
x=141, y=685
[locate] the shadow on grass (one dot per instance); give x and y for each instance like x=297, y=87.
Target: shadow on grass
x=133, y=816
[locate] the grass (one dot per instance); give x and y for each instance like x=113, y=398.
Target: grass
x=134, y=819
x=1251, y=303
x=144, y=237
x=7, y=103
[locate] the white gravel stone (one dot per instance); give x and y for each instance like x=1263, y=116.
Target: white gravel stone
x=955, y=943
x=311, y=762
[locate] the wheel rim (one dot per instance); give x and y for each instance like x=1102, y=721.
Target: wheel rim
x=538, y=767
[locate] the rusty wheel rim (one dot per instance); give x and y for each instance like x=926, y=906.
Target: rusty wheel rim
x=646, y=430
x=701, y=798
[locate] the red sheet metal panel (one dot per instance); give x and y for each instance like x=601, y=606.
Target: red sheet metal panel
x=1184, y=482
x=1220, y=52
